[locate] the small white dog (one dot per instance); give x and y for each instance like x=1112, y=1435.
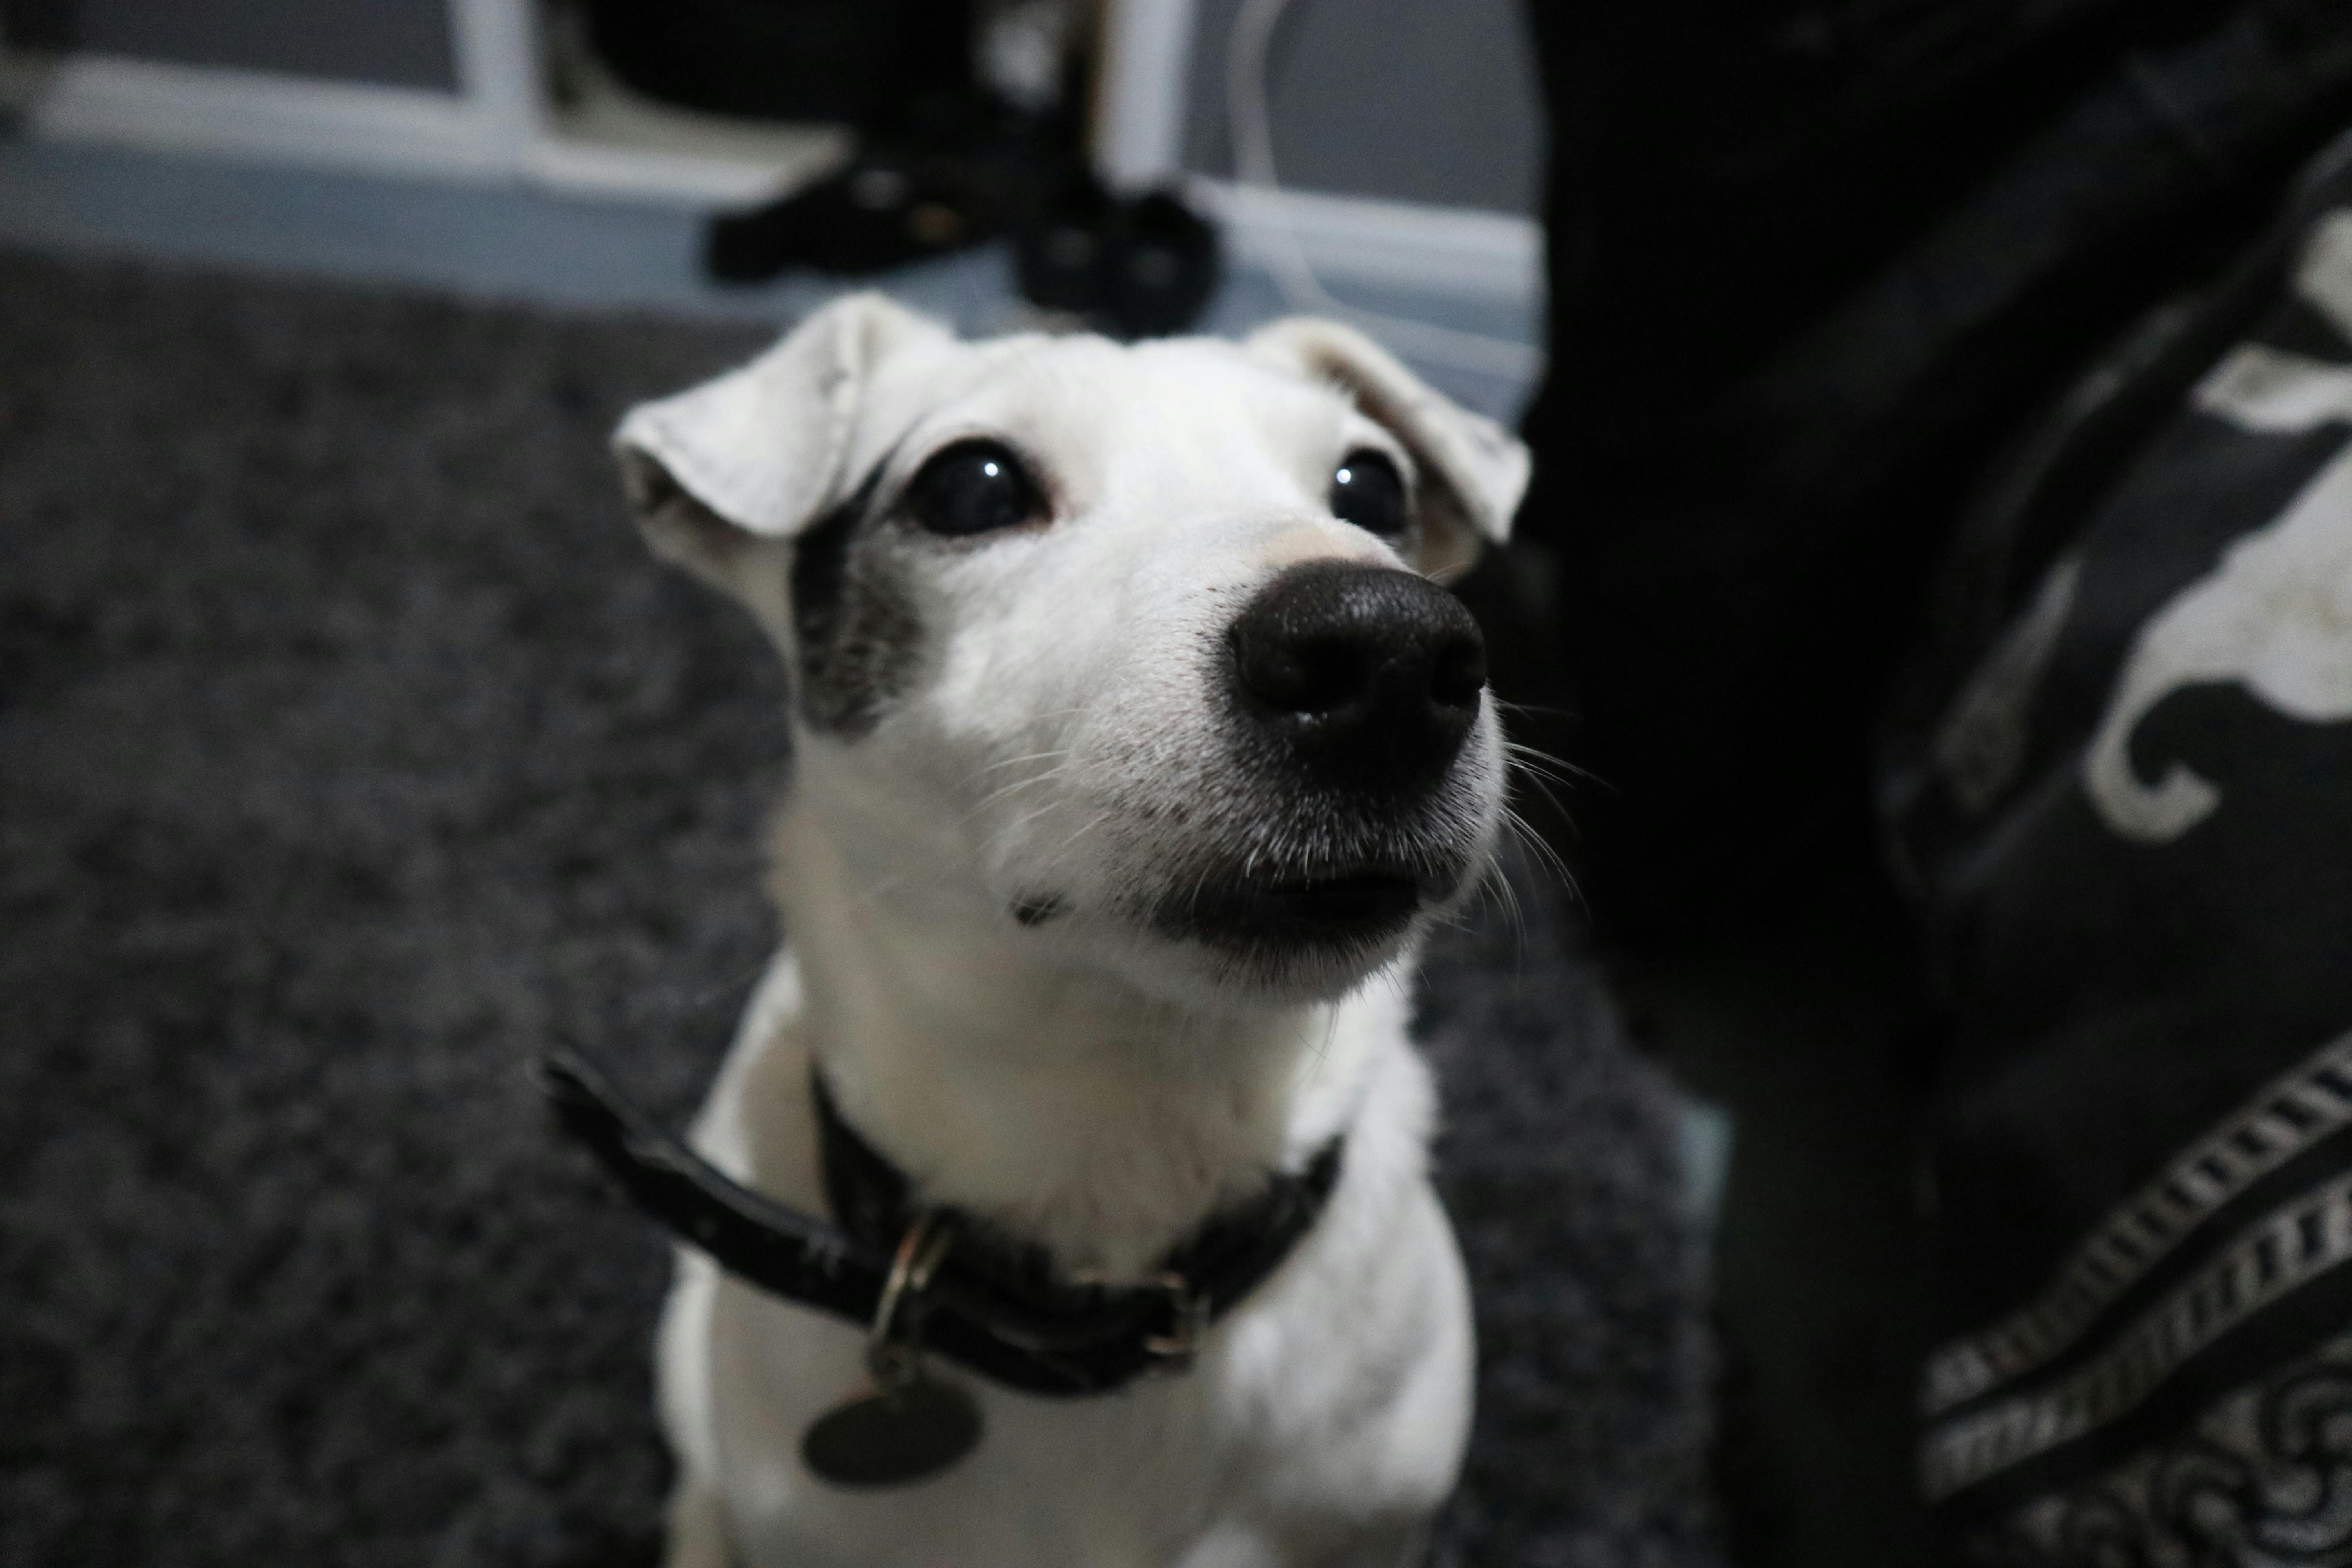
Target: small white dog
x=1134, y=748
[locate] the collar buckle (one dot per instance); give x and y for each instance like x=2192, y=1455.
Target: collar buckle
x=893, y=1344
x=1188, y=1324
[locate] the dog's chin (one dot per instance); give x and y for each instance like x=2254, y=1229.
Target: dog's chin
x=1348, y=911
x=1301, y=935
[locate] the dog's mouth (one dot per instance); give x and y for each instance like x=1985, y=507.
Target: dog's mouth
x=1344, y=909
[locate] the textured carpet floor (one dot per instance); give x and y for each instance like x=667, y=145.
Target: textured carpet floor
x=350, y=750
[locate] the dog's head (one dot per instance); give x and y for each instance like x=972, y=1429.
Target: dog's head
x=1136, y=650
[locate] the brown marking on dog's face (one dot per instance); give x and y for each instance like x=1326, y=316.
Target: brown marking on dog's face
x=854, y=624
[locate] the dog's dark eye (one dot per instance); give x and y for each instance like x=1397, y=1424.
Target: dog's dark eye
x=974, y=486
x=1368, y=491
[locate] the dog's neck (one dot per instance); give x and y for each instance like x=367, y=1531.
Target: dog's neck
x=1061, y=1102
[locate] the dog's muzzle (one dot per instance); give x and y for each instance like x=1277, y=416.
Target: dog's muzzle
x=1364, y=679
x=1351, y=691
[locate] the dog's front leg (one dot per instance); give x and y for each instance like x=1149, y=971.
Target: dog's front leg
x=1240, y=1545
x=698, y=1523
x=698, y=1528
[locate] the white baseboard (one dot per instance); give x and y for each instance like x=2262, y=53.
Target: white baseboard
x=653, y=175
x=1459, y=251
x=403, y=130
x=382, y=130
x=186, y=109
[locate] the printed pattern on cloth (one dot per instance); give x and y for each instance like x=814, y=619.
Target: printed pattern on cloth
x=2289, y=1246
x=2125, y=813
x=2289, y=1116
x=2275, y=614
x=2263, y=1479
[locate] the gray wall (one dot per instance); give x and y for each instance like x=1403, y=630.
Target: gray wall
x=1418, y=101
x=397, y=43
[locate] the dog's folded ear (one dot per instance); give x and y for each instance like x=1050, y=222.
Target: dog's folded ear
x=759, y=452
x=1472, y=472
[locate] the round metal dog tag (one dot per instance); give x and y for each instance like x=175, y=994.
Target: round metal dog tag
x=894, y=1437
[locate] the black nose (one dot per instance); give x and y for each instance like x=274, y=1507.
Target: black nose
x=1365, y=675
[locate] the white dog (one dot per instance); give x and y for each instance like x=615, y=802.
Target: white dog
x=1134, y=748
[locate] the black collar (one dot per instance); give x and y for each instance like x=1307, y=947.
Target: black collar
x=994, y=1305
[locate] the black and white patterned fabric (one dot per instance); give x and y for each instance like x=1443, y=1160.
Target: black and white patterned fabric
x=1811, y=261
x=2120, y=786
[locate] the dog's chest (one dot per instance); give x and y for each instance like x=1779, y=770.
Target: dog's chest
x=1127, y=1477
x=1117, y=1479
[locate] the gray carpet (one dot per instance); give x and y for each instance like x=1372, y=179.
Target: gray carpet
x=350, y=750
